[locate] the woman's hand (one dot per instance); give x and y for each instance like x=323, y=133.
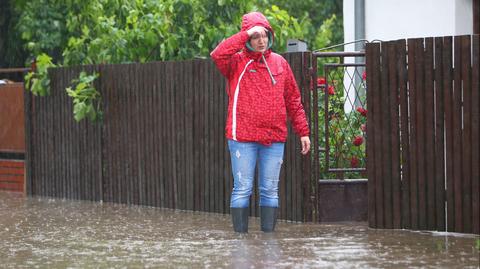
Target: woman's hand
x=256, y=29
x=305, y=144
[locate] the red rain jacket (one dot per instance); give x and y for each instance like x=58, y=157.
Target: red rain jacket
x=257, y=109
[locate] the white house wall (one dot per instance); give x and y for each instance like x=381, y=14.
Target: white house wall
x=396, y=19
x=400, y=19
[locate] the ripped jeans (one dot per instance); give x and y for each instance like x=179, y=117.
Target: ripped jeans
x=244, y=156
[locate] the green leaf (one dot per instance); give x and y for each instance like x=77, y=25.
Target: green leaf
x=79, y=111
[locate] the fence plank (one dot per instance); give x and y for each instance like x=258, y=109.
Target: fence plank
x=379, y=188
x=457, y=134
x=372, y=61
x=56, y=86
x=118, y=168
x=128, y=179
x=404, y=133
x=189, y=131
x=98, y=146
x=215, y=143
x=107, y=157
x=412, y=89
x=466, y=134
x=143, y=118
x=211, y=140
x=136, y=144
x=153, y=132
x=226, y=155
x=54, y=118
x=50, y=146
x=196, y=133
x=179, y=137
x=439, y=136
x=394, y=134
x=183, y=160
x=448, y=91
x=203, y=140
x=161, y=113
x=145, y=129
x=207, y=102
x=377, y=127
x=297, y=179
x=386, y=135
x=316, y=138
x=476, y=134
x=429, y=136
x=173, y=177
x=307, y=161
x=421, y=149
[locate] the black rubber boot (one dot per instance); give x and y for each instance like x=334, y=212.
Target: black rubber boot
x=268, y=218
x=240, y=219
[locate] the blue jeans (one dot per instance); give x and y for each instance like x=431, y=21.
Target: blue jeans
x=244, y=156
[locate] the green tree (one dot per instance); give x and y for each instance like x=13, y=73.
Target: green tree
x=316, y=14
x=120, y=31
x=115, y=31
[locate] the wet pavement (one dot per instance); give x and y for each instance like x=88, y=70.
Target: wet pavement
x=53, y=233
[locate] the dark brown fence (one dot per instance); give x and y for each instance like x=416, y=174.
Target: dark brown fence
x=423, y=134
x=161, y=142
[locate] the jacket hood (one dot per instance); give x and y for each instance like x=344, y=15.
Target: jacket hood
x=257, y=19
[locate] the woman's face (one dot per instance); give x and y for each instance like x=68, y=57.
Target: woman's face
x=259, y=41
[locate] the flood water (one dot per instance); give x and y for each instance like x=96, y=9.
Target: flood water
x=52, y=233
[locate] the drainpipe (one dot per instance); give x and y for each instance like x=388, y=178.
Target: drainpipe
x=359, y=24
x=359, y=46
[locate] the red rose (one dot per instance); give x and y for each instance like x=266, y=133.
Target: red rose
x=331, y=90
x=364, y=75
x=362, y=111
x=354, y=161
x=321, y=81
x=358, y=140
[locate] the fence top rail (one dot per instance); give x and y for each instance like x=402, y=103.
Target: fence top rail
x=14, y=70
x=344, y=65
x=340, y=54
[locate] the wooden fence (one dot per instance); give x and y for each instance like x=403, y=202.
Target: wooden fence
x=161, y=142
x=423, y=134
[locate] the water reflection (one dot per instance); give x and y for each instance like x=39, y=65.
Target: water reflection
x=43, y=232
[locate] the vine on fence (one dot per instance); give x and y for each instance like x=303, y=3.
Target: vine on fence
x=37, y=80
x=86, y=99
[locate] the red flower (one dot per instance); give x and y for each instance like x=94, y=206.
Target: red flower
x=363, y=127
x=321, y=81
x=358, y=140
x=364, y=75
x=362, y=111
x=331, y=90
x=354, y=161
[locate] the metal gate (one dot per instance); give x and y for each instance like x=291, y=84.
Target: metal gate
x=338, y=122
x=339, y=114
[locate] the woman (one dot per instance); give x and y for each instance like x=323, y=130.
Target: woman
x=262, y=91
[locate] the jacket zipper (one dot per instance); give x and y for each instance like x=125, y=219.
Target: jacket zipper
x=235, y=100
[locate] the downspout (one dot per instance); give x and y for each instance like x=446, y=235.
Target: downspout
x=476, y=16
x=359, y=46
x=359, y=24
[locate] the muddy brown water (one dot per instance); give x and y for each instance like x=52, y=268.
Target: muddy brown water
x=40, y=232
